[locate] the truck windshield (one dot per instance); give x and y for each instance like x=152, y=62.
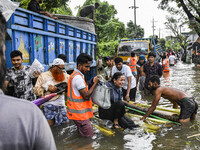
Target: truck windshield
x=136, y=46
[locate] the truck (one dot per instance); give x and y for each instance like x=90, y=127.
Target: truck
x=42, y=38
x=141, y=46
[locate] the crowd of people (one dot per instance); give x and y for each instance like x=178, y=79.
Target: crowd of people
x=24, y=126
x=145, y=75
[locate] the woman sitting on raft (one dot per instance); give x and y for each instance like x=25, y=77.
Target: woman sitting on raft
x=117, y=110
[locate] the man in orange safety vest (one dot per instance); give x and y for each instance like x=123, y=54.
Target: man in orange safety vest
x=79, y=104
x=132, y=64
x=165, y=65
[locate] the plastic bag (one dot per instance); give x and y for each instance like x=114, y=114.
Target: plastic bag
x=36, y=66
x=7, y=8
x=101, y=95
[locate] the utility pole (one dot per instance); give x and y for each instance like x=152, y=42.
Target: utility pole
x=134, y=7
x=180, y=29
x=153, y=26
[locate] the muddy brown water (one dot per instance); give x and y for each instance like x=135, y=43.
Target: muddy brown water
x=185, y=77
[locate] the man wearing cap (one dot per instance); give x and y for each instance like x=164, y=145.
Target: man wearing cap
x=49, y=82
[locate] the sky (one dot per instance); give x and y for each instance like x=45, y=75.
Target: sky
x=145, y=14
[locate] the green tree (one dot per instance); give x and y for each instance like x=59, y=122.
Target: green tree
x=108, y=29
x=64, y=10
x=112, y=30
x=103, y=14
x=172, y=44
x=162, y=43
x=189, y=7
x=107, y=26
x=107, y=48
x=174, y=24
x=105, y=21
x=52, y=6
x=130, y=31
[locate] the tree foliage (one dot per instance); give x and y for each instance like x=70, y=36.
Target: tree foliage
x=162, y=43
x=103, y=14
x=189, y=7
x=130, y=30
x=64, y=10
x=107, y=48
x=52, y=6
x=108, y=28
x=172, y=44
x=174, y=25
x=112, y=30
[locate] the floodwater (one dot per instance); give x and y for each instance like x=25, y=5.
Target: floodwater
x=185, y=77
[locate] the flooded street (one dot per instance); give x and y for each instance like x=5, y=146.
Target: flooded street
x=185, y=77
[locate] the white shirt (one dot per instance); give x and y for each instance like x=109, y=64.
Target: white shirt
x=172, y=58
x=78, y=83
x=127, y=72
x=43, y=82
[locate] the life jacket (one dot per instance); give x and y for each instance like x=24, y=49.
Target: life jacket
x=166, y=65
x=132, y=64
x=77, y=107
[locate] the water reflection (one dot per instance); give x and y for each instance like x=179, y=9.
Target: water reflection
x=185, y=77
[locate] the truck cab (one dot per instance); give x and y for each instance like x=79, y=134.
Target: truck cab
x=141, y=46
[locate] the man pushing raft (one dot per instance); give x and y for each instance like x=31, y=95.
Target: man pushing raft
x=187, y=104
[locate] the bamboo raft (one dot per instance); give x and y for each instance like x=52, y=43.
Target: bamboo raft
x=164, y=116
x=172, y=116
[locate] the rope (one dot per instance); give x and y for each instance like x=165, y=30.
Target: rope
x=152, y=115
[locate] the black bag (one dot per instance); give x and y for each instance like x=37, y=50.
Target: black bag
x=126, y=122
x=10, y=88
x=62, y=86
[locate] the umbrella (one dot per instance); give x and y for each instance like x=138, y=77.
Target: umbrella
x=46, y=98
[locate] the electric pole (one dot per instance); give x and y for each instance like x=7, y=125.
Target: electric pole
x=134, y=7
x=153, y=26
x=159, y=33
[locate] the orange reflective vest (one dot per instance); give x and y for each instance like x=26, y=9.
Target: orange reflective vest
x=77, y=107
x=132, y=64
x=166, y=65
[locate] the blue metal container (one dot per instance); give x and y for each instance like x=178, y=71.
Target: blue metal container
x=42, y=38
